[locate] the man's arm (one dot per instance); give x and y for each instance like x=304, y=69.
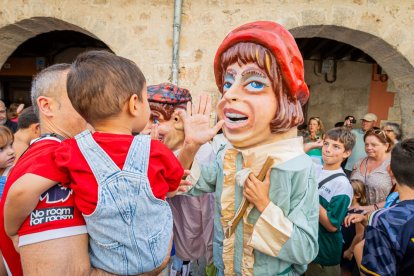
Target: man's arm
x=22, y=199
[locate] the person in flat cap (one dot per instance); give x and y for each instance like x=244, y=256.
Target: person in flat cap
x=266, y=212
x=367, y=122
x=193, y=216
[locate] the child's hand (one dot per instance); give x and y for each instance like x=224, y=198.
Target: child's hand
x=197, y=122
x=184, y=184
x=257, y=192
x=355, y=218
x=348, y=254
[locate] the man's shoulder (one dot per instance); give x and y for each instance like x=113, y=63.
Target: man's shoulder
x=394, y=216
x=357, y=131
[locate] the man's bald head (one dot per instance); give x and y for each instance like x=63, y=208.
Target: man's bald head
x=49, y=83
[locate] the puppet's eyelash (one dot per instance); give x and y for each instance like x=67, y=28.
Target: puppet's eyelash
x=255, y=73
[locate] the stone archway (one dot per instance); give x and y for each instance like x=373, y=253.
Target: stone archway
x=12, y=35
x=399, y=69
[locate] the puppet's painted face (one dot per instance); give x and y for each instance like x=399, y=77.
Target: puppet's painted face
x=248, y=105
x=170, y=132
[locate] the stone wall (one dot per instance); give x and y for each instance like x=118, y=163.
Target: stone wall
x=142, y=31
x=348, y=95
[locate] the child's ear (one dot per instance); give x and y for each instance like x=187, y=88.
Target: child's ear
x=346, y=154
x=178, y=122
x=35, y=129
x=133, y=105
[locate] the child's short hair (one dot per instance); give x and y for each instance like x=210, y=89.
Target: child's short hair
x=6, y=136
x=27, y=118
x=100, y=83
x=359, y=189
x=342, y=135
x=402, y=160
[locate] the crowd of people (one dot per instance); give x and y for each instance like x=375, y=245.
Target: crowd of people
x=105, y=175
x=368, y=169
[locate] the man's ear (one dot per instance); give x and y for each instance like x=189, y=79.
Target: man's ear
x=178, y=122
x=133, y=105
x=44, y=105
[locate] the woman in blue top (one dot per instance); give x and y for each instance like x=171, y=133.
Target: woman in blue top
x=312, y=141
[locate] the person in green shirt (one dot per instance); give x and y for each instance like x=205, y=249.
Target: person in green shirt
x=335, y=195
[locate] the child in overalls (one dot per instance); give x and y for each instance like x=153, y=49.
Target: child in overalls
x=120, y=181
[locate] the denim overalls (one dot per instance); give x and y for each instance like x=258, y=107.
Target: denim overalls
x=130, y=230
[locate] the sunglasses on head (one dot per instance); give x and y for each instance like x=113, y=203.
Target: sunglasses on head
x=378, y=132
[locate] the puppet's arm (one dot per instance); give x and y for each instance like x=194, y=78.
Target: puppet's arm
x=291, y=238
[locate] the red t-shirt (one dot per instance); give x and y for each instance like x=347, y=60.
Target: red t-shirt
x=69, y=167
x=55, y=212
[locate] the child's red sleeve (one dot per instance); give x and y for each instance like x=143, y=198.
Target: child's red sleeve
x=170, y=167
x=53, y=164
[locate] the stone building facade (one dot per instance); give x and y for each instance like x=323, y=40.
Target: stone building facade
x=142, y=30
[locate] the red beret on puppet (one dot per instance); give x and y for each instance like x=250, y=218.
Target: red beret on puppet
x=282, y=45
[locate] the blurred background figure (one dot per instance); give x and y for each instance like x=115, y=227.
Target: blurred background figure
x=28, y=129
x=3, y=118
x=349, y=121
x=14, y=111
x=358, y=152
x=393, y=132
x=312, y=141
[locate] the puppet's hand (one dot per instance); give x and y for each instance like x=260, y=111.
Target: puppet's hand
x=257, y=192
x=197, y=122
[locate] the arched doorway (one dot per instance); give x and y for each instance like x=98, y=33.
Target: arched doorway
x=396, y=66
x=33, y=44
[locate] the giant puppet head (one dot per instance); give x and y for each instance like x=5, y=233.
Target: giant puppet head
x=259, y=71
x=164, y=100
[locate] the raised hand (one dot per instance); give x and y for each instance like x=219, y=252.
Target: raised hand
x=197, y=122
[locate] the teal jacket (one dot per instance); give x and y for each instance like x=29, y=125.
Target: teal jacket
x=293, y=189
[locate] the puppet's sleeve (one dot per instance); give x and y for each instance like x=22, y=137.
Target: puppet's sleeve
x=204, y=178
x=294, y=237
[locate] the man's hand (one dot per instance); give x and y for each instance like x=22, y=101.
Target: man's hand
x=257, y=192
x=197, y=122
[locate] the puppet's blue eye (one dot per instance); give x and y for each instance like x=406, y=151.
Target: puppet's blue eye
x=227, y=85
x=255, y=86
